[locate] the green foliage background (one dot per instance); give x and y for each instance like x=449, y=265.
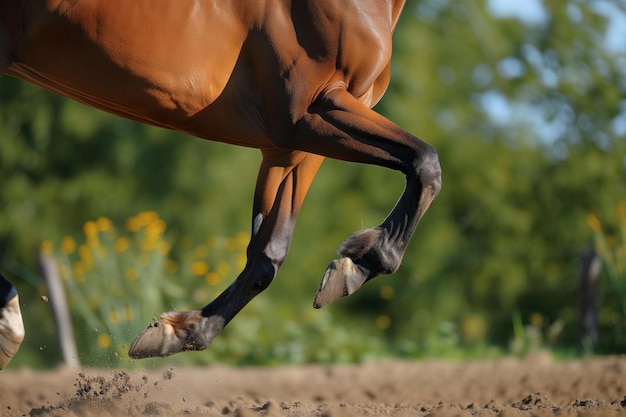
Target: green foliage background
x=529, y=120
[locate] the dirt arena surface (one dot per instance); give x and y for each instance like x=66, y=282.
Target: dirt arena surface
x=535, y=386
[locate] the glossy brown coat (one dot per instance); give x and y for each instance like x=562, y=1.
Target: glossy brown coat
x=296, y=80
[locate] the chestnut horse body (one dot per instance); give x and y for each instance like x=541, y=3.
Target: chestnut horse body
x=296, y=80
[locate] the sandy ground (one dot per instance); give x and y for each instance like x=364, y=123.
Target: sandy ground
x=535, y=386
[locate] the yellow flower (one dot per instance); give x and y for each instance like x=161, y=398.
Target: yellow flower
x=46, y=247
x=387, y=292
x=121, y=244
x=104, y=224
x=133, y=224
x=593, y=222
x=131, y=274
x=242, y=239
x=104, y=340
x=383, y=322
x=146, y=217
x=115, y=317
x=212, y=278
x=90, y=229
x=86, y=256
x=68, y=244
x=199, y=268
x=201, y=251
x=155, y=228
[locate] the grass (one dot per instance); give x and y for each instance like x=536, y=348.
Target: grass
x=118, y=277
x=610, y=245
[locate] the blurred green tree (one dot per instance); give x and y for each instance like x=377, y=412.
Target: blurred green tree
x=528, y=119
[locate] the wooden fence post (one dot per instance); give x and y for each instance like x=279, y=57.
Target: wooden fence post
x=590, y=268
x=60, y=310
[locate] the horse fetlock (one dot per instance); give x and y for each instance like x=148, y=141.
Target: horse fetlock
x=200, y=335
x=373, y=250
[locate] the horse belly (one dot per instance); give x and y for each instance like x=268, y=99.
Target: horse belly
x=158, y=66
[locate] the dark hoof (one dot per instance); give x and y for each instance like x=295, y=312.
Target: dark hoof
x=11, y=330
x=342, y=278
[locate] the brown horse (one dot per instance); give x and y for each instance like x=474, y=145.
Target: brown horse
x=295, y=79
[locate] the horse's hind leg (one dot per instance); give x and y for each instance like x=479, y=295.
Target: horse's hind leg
x=283, y=182
x=11, y=326
x=340, y=127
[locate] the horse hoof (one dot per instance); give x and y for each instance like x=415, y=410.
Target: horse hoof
x=177, y=331
x=159, y=339
x=11, y=330
x=342, y=278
